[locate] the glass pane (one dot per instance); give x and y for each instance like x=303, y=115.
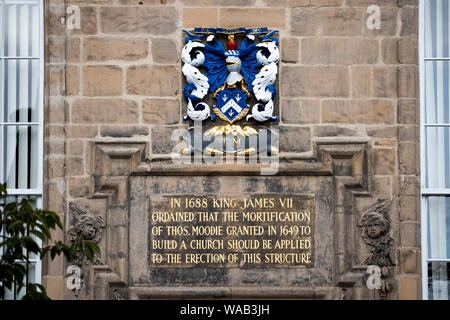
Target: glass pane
x=21, y=100
x=438, y=280
x=22, y=29
x=438, y=216
x=437, y=160
x=21, y=156
x=437, y=13
x=437, y=91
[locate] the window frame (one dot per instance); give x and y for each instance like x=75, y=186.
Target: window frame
x=38, y=191
x=425, y=192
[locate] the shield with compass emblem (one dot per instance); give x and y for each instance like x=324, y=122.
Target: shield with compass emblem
x=231, y=105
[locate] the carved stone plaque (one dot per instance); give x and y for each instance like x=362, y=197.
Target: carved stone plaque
x=232, y=231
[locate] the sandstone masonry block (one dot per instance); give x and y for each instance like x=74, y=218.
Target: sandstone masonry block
x=261, y=17
x=164, y=50
x=104, y=49
x=295, y=139
x=300, y=111
x=389, y=48
x=153, y=80
x=361, y=82
x=104, y=111
x=408, y=82
x=327, y=22
x=72, y=80
x=407, y=51
x=221, y=3
x=160, y=111
x=102, y=80
x=384, y=161
x=314, y=81
x=200, y=17
x=151, y=20
x=88, y=22
x=384, y=82
x=289, y=50
x=339, y=51
x=73, y=48
x=343, y=111
x=304, y=3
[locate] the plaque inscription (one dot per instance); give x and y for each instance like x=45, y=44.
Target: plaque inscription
x=251, y=231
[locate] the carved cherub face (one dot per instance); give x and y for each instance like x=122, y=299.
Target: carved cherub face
x=88, y=231
x=375, y=224
x=89, y=227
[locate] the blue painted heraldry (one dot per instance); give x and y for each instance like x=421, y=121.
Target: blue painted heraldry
x=232, y=75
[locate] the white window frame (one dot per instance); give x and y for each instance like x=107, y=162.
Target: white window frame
x=426, y=192
x=38, y=191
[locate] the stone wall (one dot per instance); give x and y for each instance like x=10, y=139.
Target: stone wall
x=118, y=79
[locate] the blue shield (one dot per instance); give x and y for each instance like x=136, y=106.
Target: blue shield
x=231, y=105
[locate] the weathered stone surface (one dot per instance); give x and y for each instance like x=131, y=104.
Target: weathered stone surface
x=73, y=49
x=200, y=17
x=383, y=132
x=56, y=49
x=408, y=158
x=410, y=234
x=153, y=80
x=58, y=110
x=300, y=111
x=409, y=260
x=104, y=111
x=304, y=3
x=361, y=82
x=333, y=131
x=408, y=51
x=385, y=161
x=294, y=139
x=104, y=49
x=74, y=166
x=72, y=80
x=327, y=22
x=57, y=81
x=409, y=208
x=339, y=51
x=366, y=3
x=160, y=111
x=102, y=81
x=384, y=82
x=79, y=187
x=123, y=131
x=221, y=3
x=81, y=131
x=408, y=81
x=389, y=48
x=410, y=21
x=264, y=17
x=388, y=23
x=408, y=111
x=314, y=82
x=161, y=140
x=88, y=22
x=289, y=50
x=164, y=51
x=409, y=288
x=149, y=20
x=55, y=168
x=343, y=111
x=74, y=147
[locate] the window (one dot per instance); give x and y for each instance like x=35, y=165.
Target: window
x=434, y=50
x=21, y=106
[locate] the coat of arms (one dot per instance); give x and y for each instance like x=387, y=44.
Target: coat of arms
x=232, y=76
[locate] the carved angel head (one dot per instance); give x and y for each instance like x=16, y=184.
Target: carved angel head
x=374, y=222
x=86, y=225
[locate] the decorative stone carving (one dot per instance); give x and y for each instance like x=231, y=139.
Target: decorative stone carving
x=375, y=230
x=89, y=227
